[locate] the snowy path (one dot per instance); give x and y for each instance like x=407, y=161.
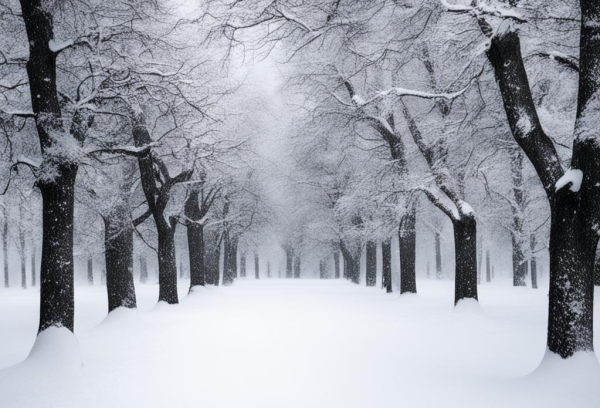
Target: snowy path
x=303, y=343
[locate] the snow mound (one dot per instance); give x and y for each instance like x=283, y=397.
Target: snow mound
x=468, y=307
x=56, y=348
x=572, y=177
x=122, y=317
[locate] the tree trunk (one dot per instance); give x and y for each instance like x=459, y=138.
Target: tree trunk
x=256, y=266
x=57, y=307
x=23, y=260
x=488, y=272
x=574, y=215
x=386, y=251
x=268, y=269
x=143, y=269
x=336, y=261
x=195, y=236
x=407, y=241
x=533, y=263
x=103, y=277
x=297, y=264
x=33, y=278
x=118, y=257
x=438, y=256
x=228, y=260
x=243, y=265
x=518, y=262
x=90, y=271
x=351, y=263
x=371, y=273
x=213, y=258
x=5, y=252
x=56, y=272
x=465, y=247
x=289, y=256
x=322, y=270
x=167, y=264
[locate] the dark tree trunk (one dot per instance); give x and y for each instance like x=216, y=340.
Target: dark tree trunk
x=371, y=272
x=118, y=257
x=297, y=265
x=493, y=272
x=533, y=263
x=351, y=263
x=33, y=277
x=596, y=268
x=103, y=277
x=336, y=262
x=213, y=257
x=574, y=214
x=256, y=266
x=488, y=272
x=181, y=271
x=23, y=260
x=90, y=271
x=57, y=307
x=195, y=236
x=386, y=251
x=465, y=247
x=243, y=265
x=345, y=269
x=196, y=251
x=322, y=270
x=234, y=250
x=56, y=277
x=289, y=259
x=407, y=241
x=228, y=260
x=143, y=269
x=519, y=262
x=438, y=256
x=167, y=266
x=5, y=252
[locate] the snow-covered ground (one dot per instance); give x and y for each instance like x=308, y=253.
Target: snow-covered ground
x=304, y=343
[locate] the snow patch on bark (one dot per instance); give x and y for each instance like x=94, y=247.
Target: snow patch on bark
x=524, y=123
x=57, y=45
x=572, y=177
x=586, y=126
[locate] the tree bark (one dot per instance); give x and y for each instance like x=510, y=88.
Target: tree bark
x=386, y=250
x=56, y=272
x=256, y=266
x=33, y=278
x=297, y=265
x=336, y=261
x=118, y=257
x=465, y=247
x=23, y=260
x=351, y=263
x=438, y=256
x=533, y=263
x=322, y=270
x=371, y=272
x=488, y=272
x=213, y=258
x=90, y=271
x=196, y=251
x=243, y=265
x=574, y=215
x=289, y=256
x=167, y=266
x=407, y=241
x=228, y=260
x=5, y=252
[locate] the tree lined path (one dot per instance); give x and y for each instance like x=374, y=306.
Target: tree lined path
x=294, y=343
